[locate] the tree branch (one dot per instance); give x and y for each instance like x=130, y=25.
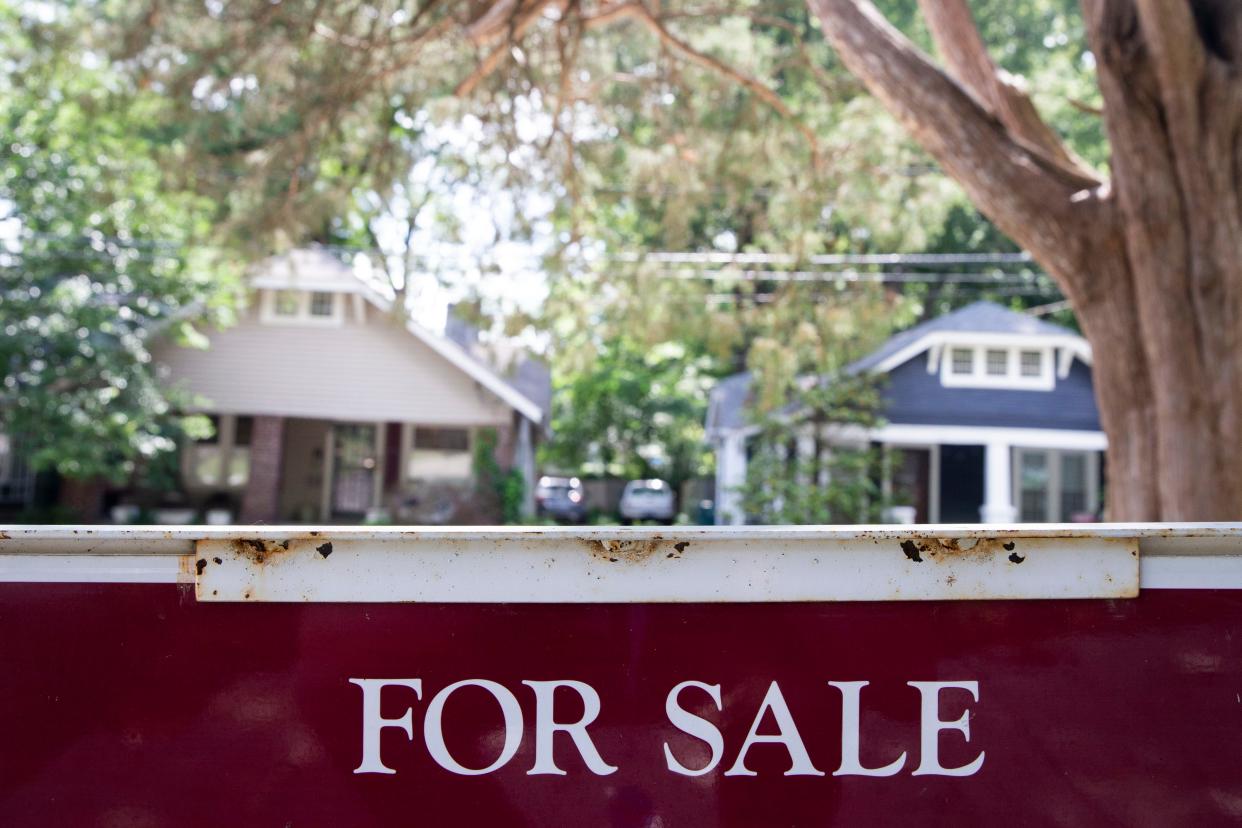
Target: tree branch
x=638, y=12
x=1041, y=204
x=957, y=39
x=506, y=21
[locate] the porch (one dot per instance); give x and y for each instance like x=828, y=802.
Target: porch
x=265, y=469
x=992, y=475
x=959, y=474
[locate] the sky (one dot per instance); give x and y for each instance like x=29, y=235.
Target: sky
x=485, y=258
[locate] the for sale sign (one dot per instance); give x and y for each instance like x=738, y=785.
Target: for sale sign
x=128, y=699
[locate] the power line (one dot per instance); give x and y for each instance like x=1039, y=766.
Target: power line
x=665, y=257
x=848, y=276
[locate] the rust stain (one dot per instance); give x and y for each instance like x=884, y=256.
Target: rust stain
x=942, y=549
x=624, y=551
x=324, y=549
x=259, y=550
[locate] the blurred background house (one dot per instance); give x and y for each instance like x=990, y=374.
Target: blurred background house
x=987, y=415
x=329, y=407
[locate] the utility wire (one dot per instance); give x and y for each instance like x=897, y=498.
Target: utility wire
x=661, y=257
x=845, y=276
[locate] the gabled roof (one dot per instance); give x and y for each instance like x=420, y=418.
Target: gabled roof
x=729, y=401
x=306, y=268
x=977, y=317
x=316, y=268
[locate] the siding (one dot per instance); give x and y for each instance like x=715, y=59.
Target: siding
x=913, y=396
x=356, y=372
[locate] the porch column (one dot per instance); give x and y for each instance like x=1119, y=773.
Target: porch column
x=261, y=502
x=524, y=461
x=998, y=485
x=730, y=476
x=378, y=511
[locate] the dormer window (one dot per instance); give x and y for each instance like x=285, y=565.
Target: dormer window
x=1032, y=363
x=322, y=304
x=988, y=365
x=997, y=362
x=287, y=307
x=287, y=303
x=963, y=361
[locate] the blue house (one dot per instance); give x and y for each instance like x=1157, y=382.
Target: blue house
x=989, y=416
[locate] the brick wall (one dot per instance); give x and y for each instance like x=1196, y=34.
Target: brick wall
x=260, y=503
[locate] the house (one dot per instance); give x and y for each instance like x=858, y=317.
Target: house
x=988, y=415
x=328, y=407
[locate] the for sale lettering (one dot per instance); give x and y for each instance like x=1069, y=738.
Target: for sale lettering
x=548, y=723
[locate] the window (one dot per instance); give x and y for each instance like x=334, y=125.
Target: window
x=6, y=458
x=1033, y=487
x=239, y=453
x=1032, y=363
x=323, y=304
x=16, y=477
x=1073, y=485
x=990, y=365
x=439, y=454
x=287, y=303
x=963, y=361
x=205, y=458
x=1056, y=486
x=318, y=307
x=223, y=459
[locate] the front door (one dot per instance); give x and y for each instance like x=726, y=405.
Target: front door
x=961, y=483
x=353, y=469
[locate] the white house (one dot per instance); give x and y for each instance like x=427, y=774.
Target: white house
x=329, y=407
x=989, y=415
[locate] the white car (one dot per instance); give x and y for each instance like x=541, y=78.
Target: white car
x=647, y=500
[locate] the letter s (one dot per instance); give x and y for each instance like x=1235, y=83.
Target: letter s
x=695, y=726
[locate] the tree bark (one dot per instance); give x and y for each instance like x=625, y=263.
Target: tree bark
x=1151, y=260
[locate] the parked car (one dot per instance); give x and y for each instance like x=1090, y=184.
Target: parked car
x=561, y=498
x=647, y=500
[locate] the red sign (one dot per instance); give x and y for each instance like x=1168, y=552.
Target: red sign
x=133, y=704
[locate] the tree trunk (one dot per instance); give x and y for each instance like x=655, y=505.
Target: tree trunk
x=1152, y=260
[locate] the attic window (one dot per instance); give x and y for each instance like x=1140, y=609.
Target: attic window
x=998, y=362
x=285, y=306
x=997, y=365
x=322, y=304
x=963, y=361
x=287, y=303
x=1032, y=363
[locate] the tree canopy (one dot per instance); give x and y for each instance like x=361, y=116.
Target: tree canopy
x=615, y=129
x=101, y=258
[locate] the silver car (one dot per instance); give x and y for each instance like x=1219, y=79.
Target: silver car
x=647, y=500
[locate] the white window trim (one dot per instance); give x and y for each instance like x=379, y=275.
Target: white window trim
x=936, y=345
x=1013, y=380
x=269, y=316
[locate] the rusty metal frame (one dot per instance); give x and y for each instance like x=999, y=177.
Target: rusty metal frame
x=642, y=564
